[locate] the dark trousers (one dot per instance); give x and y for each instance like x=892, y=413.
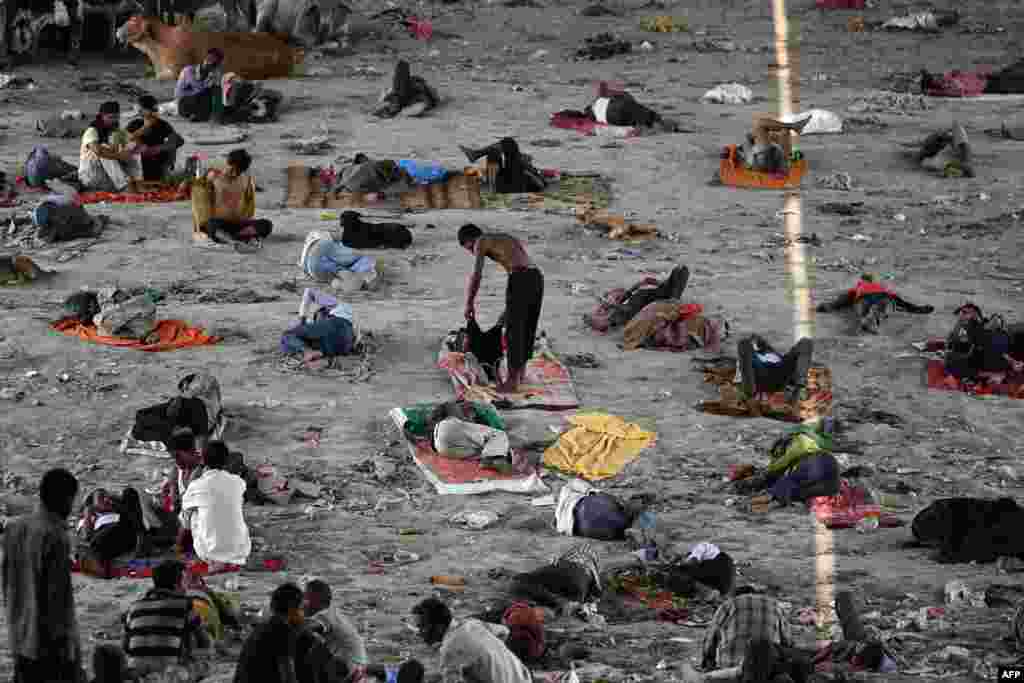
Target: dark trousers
x=554, y=585
x=262, y=225
x=623, y=110
x=669, y=290
x=874, y=309
x=792, y=370
x=523, y=299
x=45, y=670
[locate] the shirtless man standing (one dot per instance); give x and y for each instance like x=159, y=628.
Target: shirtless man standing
x=523, y=296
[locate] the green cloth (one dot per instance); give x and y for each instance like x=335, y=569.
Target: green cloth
x=419, y=413
x=800, y=442
x=565, y=193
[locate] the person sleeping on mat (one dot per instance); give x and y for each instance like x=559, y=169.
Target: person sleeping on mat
x=409, y=95
x=621, y=109
x=512, y=170
x=761, y=369
x=456, y=431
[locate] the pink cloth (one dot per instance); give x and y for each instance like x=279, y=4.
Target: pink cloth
x=422, y=29
x=569, y=120
x=959, y=84
x=840, y=4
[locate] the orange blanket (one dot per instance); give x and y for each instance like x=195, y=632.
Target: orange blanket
x=171, y=193
x=173, y=334
x=733, y=172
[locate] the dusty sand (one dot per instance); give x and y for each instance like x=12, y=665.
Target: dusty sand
x=955, y=443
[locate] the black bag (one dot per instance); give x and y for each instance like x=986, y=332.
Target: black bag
x=82, y=306
x=486, y=346
x=158, y=423
x=357, y=234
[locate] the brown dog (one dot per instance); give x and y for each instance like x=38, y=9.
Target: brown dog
x=255, y=56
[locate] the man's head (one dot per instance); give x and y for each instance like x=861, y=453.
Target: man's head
x=215, y=455
x=168, y=574
x=239, y=162
x=57, y=491
x=969, y=311
x=148, y=106
x=318, y=596
x=183, y=448
x=109, y=114
x=109, y=664
x=411, y=672
x=214, y=58
x=468, y=235
x=432, y=620
x=286, y=603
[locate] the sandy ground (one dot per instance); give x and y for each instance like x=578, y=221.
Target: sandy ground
x=954, y=444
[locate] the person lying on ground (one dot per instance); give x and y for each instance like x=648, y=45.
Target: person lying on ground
x=107, y=162
x=330, y=334
x=509, y=170
x=1008, y=81
x=409, y=95
x=588, y=513
x=859, y=647
x=125, y=316
x=162, y=630
x=247, y=102
x=618, y=307
x=156, y=140
x=212, y=511
x=112, y=526
x=326, y=259
x=984, y=345
x=61, y=220
x=620, y=109
x=873, y=302
x=363, y=174
x=800, y=466
x=949, y=151
x=760, y=370
x=268, y=655
x=524, y=294
x=457, y=431
x=738, y=621
x=471, y=650
x=198, y=89
x=760, y=150
x=359, y=234
x=234, y=203
x=340, y=635
x=570, y=581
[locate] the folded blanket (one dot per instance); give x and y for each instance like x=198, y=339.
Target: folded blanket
x=598, y=446
x=171, y=334
x=170, y=193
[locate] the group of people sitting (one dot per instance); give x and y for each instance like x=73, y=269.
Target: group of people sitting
x=204, y=92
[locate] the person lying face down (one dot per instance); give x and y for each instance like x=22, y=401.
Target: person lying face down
x=325, y=328
x=619, y=108
x=586, y=512
x=471, y=650
x=743, y=619
x=872, y=302
x=409, y=95
x=761, y=369
x=572, y=579
x=514, y=170
x=234, y=203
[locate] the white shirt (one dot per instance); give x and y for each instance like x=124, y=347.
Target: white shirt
x=474, y=652
x=219, y=532
x=600, y=108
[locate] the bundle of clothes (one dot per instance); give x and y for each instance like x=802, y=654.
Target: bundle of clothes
x=114, y=312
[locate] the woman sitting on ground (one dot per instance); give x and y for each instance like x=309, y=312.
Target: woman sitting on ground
x=234, y=204
x=409, y=95
x=107, y=162
x=515, y=173
x=198, y=89
x=326, y=259
x=247, y=102
x=330, y=334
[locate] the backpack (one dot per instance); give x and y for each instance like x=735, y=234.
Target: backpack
x=359, y=235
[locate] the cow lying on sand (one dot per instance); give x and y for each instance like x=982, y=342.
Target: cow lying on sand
x=255, y=56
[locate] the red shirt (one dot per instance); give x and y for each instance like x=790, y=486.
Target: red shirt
x=864, y=288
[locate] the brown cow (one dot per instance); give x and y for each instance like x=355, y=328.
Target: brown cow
x=255, y=56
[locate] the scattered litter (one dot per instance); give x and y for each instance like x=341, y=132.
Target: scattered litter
x=929, y=22
x=581, y=360
x=729, y=93
x=603, y=46
x=10, y=82
x=837, y=181
x=318, y=144
x=714, y=45
x=646, y=46
x=476, y=520
x=664, y=24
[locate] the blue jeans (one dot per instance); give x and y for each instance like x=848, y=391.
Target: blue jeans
x=333, y=336
x=329, y=257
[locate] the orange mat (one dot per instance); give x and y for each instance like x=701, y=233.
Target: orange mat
x=173, y=334
x=171, y=193
x=732, y=172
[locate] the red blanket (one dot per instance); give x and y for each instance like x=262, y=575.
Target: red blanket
x=167, y=194
x=142, y=568
x=848, y=508
x=959, y=84
x=1009, y=385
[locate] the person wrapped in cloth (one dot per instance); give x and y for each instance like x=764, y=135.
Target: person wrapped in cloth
x=456, y=430
x=523, y=296
x=115, y=313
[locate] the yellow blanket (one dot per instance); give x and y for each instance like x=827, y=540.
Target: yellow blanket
x=598, y=446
